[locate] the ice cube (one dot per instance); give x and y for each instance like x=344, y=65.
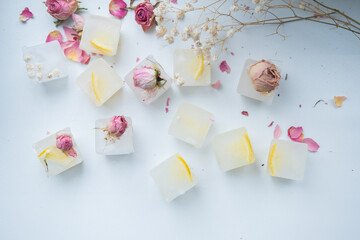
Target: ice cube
x=99, y=81
x=233, y=149
x=173, y=177
x=191, y=68
x=111, y=145
x=101, y=35
x=149, y=91
x=43, y=60
x=287, y=159
x=246, y=87
x=54, y=159
x=191, y=124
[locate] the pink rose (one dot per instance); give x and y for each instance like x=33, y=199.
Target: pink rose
x=61, y=9
x=144, y=15
x=117, y=125
x=145, y=77
x=264, y=76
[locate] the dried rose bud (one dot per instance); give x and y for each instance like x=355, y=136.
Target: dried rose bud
x=61, y=9
x=264, y=76
x=145, y=77
x=117, y=125
x=64, y=142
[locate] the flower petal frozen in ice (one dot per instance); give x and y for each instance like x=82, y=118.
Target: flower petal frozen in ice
x=26, y=15
x=54, y=35
x=224, y=67
x=117, y=125
x=339, y=100
x=64, y=143
x=117, y=8
x=265, y=76
x=312, y=145
x=277, y=131
x=145, y=77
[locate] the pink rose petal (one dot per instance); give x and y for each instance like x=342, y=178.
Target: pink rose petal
x=216, y=85
x=245, y=113
x=339, y=100
x=26, y=15
x=167, y=101
x=71, y=34
x=166, y=110
x=174, y=1
x=296, y=134
x=54, y=35
x=137, y=59
x=271, y=124
x=224, y=67
x=79, y=22
x=232, y=53
x=117, y=8
x=277, y=131
x=312, y=145
x=74, y=53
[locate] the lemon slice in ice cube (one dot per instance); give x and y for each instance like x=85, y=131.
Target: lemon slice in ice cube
x=98, y=87
x=54, y=154
x=271, y=158
x=101, y=46
x=199, y=66
x=181, y=169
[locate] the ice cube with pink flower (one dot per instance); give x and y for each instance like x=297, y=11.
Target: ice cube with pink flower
x=148, y=80
x=114, y=135
x=58, y=152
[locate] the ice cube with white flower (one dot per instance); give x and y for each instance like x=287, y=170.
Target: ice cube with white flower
x=233, y=149
x=173, y=177
x=45, y=62
x=148, y=80
x=58, y=152
x=191, y=124
x=99, y=81
x=287, y=159
x=114, y=136
x=191, y=68
x=100, y=35
x=259, y=80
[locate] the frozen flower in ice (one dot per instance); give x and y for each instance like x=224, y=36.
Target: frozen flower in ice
x=230, y=33
x=234, y=8
x=178, y=80
x=116, y=126
x=174, y=31
x=258, y=9
x=255, y=1
x=64, y=143
x=117, y=8
x=160, y=30
x=265, y=76
x=26, y=15
x=188, y=7
x=61, y=9
x=169, y=38
x=145, y=77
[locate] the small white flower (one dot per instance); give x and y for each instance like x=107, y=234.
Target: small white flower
x=215, y=58
x=157, y=12
x=159, y=19
x=180, y=15
x=230, y=32
x=198, y=44
x=255, y=1
x=29, y=66
x=258, y=9
x=184, y=36
x=262, y=2
x=56, y=72
x=39, y=66
x=205, y=27
x=39, y=76
x=27, y=58
x=234, y=8
x=50, y=75
x=188, y=29
x=302, y=6
x=195, y=34
x=188, y=7
x=162, y=6
x=219, y=27
x=174, y=31
x=31, y=74
x=169, y=38
x=178, y=80
x=160, y=30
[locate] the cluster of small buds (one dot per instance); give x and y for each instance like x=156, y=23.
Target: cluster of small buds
x=235, y=7
x=178, y=80
x=188, y=7
x=33, y=70
x=258, y=9
x=174, y=31
x=302, y=6
x=169, y=38
x=230, y=33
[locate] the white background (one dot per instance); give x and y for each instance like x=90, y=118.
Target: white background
x=115, y=198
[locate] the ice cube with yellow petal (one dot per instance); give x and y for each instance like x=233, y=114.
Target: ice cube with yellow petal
x=287, y=159
x=233, y=149
x=191, y=68
x=99, y=81
x=191, y=124
x=100, y=35
x=53, y=159
x=173, y=177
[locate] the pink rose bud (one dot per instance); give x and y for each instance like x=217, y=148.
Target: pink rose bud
x=61, y=9
x=144, y=15
x=117, y=125
x=145, y=77
x=79, y=22
x=64, y=142
x=264, y=76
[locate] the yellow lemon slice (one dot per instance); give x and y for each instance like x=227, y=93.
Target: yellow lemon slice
x=271, y=157
x=199, y=66
x=97, y=86
x=249, y=147
x=100, y=46
x=56, y=155
x=185, y=165
x=242, y=149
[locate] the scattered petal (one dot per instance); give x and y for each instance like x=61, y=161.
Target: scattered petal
x=25, y=15
x=232, y=53
x=174, y=1
x=212, y=120
x=137, y=59
x=277, y=131
x=117, y=8
x=54, y=35
x=271, y=124
x=79, y=22
x=74, y=53
x=216, y=85
x=339, y=100
x=71, y=34
x=245, y=113
x=300, y=106
x=167, y=101
x=224, y=67
x=166, y=110
x=312, y=145
x=296, y=134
